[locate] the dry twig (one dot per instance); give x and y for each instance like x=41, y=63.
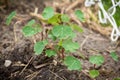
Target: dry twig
x=74, y=4
x=32, y=76
x=26, y=65
x=40, y=66
x=56, y=75
x=81, y=46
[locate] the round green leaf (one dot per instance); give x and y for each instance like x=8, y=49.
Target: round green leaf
x=69, y=45
x=39, y=46
x=79, y=15
x=114, y=56
x=50, y=53
x=72, y=63
x=94, y=73
x=62, y=32
x=96, y=59
x=65, y=18
x=28, y=31
x=31, y=28
x=48, y=13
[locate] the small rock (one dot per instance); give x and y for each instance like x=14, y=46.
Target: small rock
x=7, y=63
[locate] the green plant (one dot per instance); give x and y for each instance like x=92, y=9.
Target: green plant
x=60, y=35
x=96, y=60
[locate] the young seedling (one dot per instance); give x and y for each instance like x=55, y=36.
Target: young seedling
x=60, y=36
x=96, y=60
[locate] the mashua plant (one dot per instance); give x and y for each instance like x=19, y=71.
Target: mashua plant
x=59, y=38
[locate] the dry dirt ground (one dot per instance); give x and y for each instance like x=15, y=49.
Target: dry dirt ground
x=26, y=66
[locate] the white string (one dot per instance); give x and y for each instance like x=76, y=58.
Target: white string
x=88, y=3
x=107, y=16
x=114, y=8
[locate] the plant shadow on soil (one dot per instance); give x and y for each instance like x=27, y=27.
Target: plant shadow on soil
x=42, y=67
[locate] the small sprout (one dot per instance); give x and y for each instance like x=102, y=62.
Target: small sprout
x=94, y=73
x=39, y=46
x=50, y=53
x=114, y=56
x=96, y=59
x=48, y=13
x=72, y=63
x=80, y=15
x=10, y=17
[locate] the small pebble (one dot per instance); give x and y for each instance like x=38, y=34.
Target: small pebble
x=7, y=63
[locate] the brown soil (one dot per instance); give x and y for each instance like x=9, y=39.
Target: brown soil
x=26, y=66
